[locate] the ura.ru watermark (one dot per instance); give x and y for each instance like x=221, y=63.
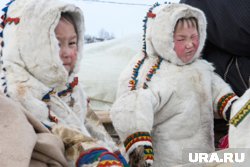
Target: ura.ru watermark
x=215, y=157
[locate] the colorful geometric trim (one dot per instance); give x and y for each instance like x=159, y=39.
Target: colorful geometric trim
x=109, y=159
x=152, y=71
x=105, y=158
x=6, y=19
x=136, y=137
x=10, y=20
x=3, y=22
x=241, y=114
x=133, y=81
x=90, y=156
x=148, y=153
x=224, y=103
x=70, y=88
x=121, y=158
x=52, y=118
x=4, y=16
x=46, y=98
x=110, y=163
x=150, y=14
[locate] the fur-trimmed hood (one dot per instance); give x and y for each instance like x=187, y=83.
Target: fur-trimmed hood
x=160, y=30
x=23, y=44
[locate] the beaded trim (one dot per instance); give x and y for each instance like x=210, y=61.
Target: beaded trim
x=149, y=14
x=152, y=71
x=133, y=82
x=4, y=16
x=4, y=21
x=136, y=137
x=46, y=98
x=9, y=20
x=69, y=89
x=224, y=103
x=241, y=114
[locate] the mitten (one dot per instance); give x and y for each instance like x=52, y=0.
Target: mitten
x=139, y=148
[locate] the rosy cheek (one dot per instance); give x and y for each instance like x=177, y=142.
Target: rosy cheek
x=179, y=47
x=74, y=54
x=73, y=58
x=196, y=44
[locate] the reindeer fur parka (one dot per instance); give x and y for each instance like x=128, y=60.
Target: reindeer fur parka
x=172, y=108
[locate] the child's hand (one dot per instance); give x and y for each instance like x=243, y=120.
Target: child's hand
x=137, y=158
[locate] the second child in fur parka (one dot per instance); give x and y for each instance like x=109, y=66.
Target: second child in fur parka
x=167, y=97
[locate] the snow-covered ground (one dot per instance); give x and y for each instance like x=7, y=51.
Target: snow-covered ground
x=101, y=66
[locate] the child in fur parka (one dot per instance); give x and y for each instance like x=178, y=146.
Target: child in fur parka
x=167, y=97
x=42, y=49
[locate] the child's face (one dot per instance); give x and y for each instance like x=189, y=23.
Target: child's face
x=67, y=38
x=186, y=41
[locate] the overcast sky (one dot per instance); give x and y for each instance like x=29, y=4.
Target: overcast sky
x=120, y=17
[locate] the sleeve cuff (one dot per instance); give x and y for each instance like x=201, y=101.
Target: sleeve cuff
x=241, y=114
x=102, y=157
x=224, y=105
x=140, y=139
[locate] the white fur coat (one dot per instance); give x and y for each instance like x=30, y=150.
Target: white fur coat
x=177, y=107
